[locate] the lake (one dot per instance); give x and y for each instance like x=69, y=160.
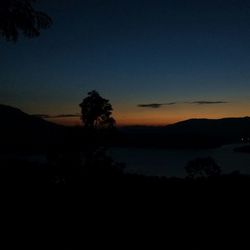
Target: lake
x=166, y=162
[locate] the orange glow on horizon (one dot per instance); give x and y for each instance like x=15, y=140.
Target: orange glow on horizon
x=159, y=117
x=136, y=121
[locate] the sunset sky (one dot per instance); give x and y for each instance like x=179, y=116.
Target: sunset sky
x=157, y=61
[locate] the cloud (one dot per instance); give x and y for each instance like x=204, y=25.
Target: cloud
x=44, y=116
x=155, y=105
x=159, y=105
x=206, y=102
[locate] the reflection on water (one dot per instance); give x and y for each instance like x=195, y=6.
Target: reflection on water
x=165, y=162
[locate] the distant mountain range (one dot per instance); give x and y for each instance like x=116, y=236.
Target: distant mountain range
x=18, y=128
x=190, y=133
x=228, y=127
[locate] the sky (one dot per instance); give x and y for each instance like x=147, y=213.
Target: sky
x=157, y=61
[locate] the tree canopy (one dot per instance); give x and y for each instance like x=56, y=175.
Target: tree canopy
x=19, y=16
x=96, y=112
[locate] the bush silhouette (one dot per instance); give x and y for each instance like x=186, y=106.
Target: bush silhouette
x=99, y=164
x=202, y=167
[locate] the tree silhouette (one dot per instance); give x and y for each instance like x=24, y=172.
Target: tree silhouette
x=96, y=112
x=19, y=16
x=202, y=167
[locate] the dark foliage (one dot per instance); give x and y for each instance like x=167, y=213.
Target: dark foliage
x=202, y=167
x=19, y=16
x=78, y=205
x=96, y=112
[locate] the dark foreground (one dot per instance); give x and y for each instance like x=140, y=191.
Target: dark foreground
x=74, y=208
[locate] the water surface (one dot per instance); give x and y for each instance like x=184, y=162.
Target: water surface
x=165, y=162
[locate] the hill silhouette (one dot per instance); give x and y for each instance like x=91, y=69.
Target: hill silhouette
x=19, y=130
x=228, y=127
x=190, y=133
x=236, y=127
x=14, y=118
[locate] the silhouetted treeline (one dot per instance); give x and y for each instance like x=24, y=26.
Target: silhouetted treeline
x=74, y=169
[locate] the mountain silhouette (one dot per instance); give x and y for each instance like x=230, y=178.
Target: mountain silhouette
x=16, y=119
x=228, y=127
x=19, y=130
x=198, y=133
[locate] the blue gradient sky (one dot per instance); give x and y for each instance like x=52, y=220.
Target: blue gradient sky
x=134, y=52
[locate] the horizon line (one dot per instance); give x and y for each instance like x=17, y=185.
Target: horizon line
x=69, y=122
